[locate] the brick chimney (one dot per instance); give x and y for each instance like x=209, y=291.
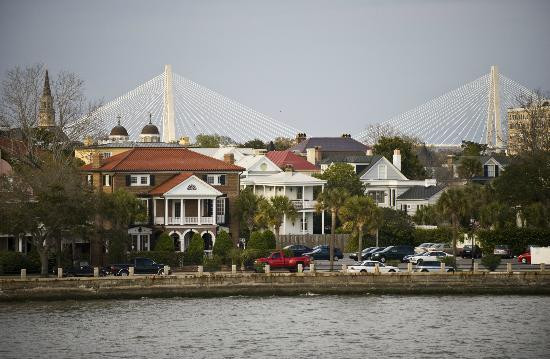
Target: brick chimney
x=397, y=159
x=96, y=159
x=229, y=158
x=313, y=155
x=300, y=137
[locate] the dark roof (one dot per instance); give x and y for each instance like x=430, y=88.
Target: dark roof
x=330, y=144
x=421, y=192
x=373, y=159
x=346, y=159
x=118, y=130
x=503, y=160
x=150, y=129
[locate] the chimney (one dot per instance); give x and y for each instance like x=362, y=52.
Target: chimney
x=369, y=152
x=346, y=135
x=317, y=154
x=313, y=155
x=229, y=158
x=289, y=168
x=96, y=159
x=397, y=159
x=184, y=141
x=429, y=182
x=300, y=137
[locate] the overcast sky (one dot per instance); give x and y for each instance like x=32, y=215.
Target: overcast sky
x=326, y=67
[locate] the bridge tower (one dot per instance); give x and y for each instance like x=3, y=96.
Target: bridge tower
x=168, y=124
x=494, y=135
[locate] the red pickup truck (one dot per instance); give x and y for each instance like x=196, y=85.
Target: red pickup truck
x=279, y=260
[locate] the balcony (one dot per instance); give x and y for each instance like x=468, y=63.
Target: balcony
x=186, y=220
x=304, y=204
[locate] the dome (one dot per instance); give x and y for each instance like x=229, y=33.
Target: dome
x=119, y=130
x=150, y=129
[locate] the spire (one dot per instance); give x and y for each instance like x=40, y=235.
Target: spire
x=150, y=120
x=46, y=113
x=46, y=91
x=118, y=120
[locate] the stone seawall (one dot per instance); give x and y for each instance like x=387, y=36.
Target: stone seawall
x=221, y=284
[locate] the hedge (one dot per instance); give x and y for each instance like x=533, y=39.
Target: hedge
x=437, y=235
x=13, y=262
x=517, y=238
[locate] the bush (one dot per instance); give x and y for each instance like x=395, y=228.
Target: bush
x=195, y=252
x=438, y=235
x=223, y=246
x=517, y=238
x=13, y=262
x=269, y=239
x=212, y=264
x=491, y=262
x=164, y=243
x=249, y=255
x=235, y=254
x=450, y=261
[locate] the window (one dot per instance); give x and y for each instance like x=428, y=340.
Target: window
x=215, y=180
x=105, y=155
x=220, y=206
x=303, y=223
x=490, y=170
x=139, y=180
x=377, y=196
x=107, y=180
x=299, y=192
x=382, y=172
x=90, y=179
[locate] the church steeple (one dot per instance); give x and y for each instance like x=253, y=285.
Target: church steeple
x=46, y=114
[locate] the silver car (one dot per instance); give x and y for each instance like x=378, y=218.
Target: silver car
x=432, y=266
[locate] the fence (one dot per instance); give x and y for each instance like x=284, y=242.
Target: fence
x=312, y=240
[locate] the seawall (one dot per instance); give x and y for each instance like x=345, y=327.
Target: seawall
x=222, y=284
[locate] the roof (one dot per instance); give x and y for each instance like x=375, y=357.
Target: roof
x=161, y=159
x=330, y=144
x=420, y=192
x=170, y=183
x=132, y=144
x=345, y=158
x=284, y=178
x=373, y=160
x=283, y=158
x=118, y=130
x=150, y=129
x=501, y=159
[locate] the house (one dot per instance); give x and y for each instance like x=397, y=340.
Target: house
x=493, y=166
x=419, y=196
x=268, y=180
x=315, y=149
x=283, y=159
x=184, y=192
x=385, y=182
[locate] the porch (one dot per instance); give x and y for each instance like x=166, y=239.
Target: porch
x=180, y=211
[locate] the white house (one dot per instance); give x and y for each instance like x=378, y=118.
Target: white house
x=419, y=196
x=385, y=182
x=268, y=180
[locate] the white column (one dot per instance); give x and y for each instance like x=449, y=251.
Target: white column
x=303, y=222
x=181, y=211
x=323, y=222
x=182, y=243
x=264, y=190
x=284, y=216
x=214, y=215
x=165, y=211
x=154, y=209
x=303, y=196
x=20, y=244
x=254, y=189
x=199, y=210
x=138, y=243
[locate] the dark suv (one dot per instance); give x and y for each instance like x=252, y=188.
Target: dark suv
x=392, y=252
x=468, y=252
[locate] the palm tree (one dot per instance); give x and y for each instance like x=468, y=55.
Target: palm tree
x=272, y=212
x=247, y=206
x=331, y=200
x=360, y=213
x=453, y=204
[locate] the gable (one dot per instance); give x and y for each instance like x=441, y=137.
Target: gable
x=392, y=173
x=263, y=165
x=193, y=187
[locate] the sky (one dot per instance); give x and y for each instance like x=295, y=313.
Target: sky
x=325, y=67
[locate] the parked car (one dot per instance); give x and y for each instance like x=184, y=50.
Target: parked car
x=408, y=257
x=525, y=258
x=298, y=249
x=364, y=253
x=392, y=252
x=441, y=247
x=323, y=252
x=468, y=252
x=503, y=250
x=432, y=266
x=141, y=266
x=423, y=247
x=80, y=271
x=429, y=257
x=369, y=267
x=278, y=260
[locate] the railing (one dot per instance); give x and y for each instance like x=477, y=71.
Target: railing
x=187, y=220
x=305, y=204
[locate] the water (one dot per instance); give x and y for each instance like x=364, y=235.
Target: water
x=284, y=327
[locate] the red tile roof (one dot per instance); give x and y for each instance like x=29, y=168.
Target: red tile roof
x=162, y=159
x=169, y=184
x=282, y=158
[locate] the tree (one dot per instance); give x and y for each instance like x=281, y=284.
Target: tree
x=470, y=148
x=164, y=243
x=223, y=246
x=426, y=215
x=359, y=213
x=283, y=143
x=531, y=135
x=396, y=227
x=342, y=176
x=208, y=141
x=273, y=211
x=453, y=205
x=375, y=132
x=246, y=208
x=195, y=252
x=410, y=164
x=255, y=143
x=470, y=167
x=332, y=200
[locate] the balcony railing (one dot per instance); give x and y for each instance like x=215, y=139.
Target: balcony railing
x=305, y=204
x=186, y=220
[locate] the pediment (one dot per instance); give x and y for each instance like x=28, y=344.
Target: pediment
x=192, y=187
x=263, y=165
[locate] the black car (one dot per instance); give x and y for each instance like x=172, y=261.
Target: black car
x=392, y=252
x=366, y=253
x=323, y=252
x=80, y=271
x=298, y=250
x=468, y=252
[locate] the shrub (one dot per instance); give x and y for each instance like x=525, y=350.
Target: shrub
x=256, y=241
x=438, y=235
x=235, y=254
x=212, y=264
x=195, y=252
x=491, y=262
x=164, y=243
x=269, y=239
x=12, y=262
x=249, y=255
x=517, y=238
x=223, y=246
x=450, y=261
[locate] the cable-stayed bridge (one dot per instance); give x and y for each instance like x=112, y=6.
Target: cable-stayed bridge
x=475, y=112
x=181, y=107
